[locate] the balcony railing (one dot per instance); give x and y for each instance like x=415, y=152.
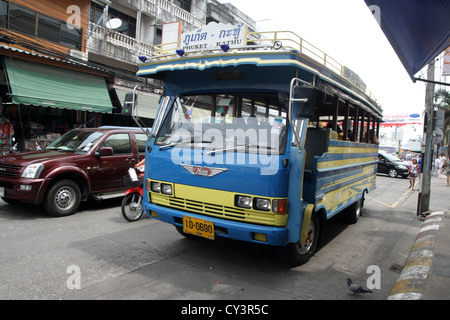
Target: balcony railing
x=114, y=44
x=177, y=12
x=97, y=34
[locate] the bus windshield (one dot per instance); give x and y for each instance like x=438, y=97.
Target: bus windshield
x=251, y=123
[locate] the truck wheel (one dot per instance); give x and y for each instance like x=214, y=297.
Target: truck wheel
x=354, y=212
x=63, y=198
x=392, y=173
x=301, y=253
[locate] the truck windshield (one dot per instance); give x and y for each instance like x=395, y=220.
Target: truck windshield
x=252, y=123
x=76, y=141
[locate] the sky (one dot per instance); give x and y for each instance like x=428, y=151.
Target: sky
x=346, y=31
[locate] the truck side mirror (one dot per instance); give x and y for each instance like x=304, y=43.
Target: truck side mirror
x=305, y=109
x=104, y=151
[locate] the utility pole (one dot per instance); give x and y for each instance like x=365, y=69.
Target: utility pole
x=427, y=159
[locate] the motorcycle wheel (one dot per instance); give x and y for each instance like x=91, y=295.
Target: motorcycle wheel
x=132, y=207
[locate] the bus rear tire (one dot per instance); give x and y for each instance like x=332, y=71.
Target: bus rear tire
x=301, y=253
x=354, y=213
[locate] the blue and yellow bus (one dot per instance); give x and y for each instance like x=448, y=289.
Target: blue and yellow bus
x=260, y=140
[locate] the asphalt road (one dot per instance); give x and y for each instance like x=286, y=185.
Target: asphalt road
x=97, y=254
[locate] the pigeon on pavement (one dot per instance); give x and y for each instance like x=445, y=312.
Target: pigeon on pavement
x=356, y=289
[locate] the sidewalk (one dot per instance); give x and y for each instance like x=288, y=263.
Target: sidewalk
x=426, y=274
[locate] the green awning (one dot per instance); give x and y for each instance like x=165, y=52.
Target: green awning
x=49, y=86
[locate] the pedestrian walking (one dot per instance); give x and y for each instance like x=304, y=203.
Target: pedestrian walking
x=435, y=170
x=447, y=170
x=413, y=171
x=442, y=161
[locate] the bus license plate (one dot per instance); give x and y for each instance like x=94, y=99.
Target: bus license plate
x=198, y=227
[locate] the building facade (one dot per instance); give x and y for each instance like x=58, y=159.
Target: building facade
x=70, y=63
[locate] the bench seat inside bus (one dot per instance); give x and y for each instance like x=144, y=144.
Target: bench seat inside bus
x=315, y=146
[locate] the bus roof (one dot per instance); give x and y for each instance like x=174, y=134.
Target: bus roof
x=279, y=49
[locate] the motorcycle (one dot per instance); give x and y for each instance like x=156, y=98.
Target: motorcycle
x=132, y=202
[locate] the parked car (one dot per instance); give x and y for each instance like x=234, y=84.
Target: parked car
x=83, y=163
x=391, y=165
x=388, y=149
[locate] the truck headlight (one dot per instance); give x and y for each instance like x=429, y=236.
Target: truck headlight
x=155, y=186
x=166, y=189
x=262, y=204
x=33, y=171
x=243, y=202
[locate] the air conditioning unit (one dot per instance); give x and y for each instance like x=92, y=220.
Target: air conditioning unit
x=78, y=55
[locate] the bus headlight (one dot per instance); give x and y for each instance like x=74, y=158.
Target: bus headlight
x=155, y=187
x=243, y=202
x=262, y=204
x=166, y=189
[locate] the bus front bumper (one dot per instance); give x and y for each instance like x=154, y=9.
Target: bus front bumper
x=274, y=236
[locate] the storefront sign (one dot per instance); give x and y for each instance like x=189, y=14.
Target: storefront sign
x=446, y=66
x=398, y=120
x=212, y=35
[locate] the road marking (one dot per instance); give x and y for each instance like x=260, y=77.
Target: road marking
x=396, y=203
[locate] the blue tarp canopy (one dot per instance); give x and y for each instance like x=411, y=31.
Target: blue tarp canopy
x=418, y=30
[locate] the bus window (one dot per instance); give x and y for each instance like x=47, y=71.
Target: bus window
x=252, y=123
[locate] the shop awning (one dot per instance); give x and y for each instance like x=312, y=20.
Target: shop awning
x=49, y=86
x=418, y=30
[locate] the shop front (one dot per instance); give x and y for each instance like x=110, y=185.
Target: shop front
x=42, y=101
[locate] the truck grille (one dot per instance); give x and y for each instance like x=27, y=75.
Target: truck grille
x=8, y=170
x=219, y=211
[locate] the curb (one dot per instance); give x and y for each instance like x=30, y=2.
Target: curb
x=411, y=282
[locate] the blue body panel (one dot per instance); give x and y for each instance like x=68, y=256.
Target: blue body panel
x=258, y=72
x=240, y=178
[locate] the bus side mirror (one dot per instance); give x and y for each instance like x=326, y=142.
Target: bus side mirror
x=129, y=104
x=306, y=109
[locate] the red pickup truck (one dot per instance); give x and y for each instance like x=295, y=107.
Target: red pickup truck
x=83, y=163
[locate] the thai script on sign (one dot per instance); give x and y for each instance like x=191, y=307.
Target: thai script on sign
x=212, y=36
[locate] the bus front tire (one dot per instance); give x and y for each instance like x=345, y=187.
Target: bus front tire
x=301, y=253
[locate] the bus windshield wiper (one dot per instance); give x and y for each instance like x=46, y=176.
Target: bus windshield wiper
x=191, y=140
x=230, y=148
